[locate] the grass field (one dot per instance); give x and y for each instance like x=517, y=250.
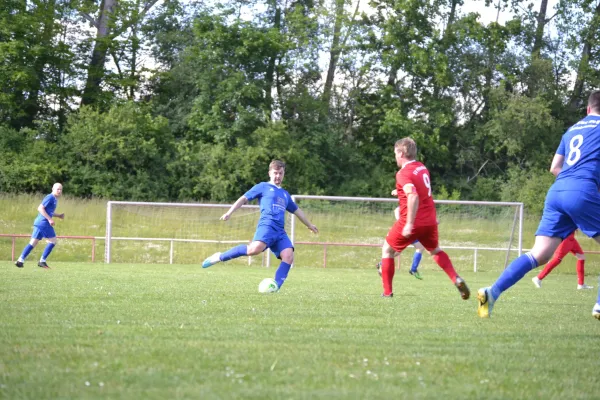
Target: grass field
x=150, y=331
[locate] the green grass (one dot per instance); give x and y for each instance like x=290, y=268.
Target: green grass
x=157, y=331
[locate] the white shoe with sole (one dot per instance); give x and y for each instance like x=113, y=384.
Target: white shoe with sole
x=584, y=287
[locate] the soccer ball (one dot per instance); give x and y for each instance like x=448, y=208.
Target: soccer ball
x=268, y=285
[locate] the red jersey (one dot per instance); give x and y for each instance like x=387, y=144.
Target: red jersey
x=417, y=174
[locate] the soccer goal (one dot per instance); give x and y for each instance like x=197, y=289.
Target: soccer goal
x=476, y=234
x=183, y=233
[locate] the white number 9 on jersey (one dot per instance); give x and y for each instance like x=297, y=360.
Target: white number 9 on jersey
x=427, y=183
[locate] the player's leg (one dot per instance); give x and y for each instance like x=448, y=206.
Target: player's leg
x=283, y=249
x=50, y=244
x=596, y=309
x=419, y=248
x=580, y=256
x=563, y=249
x=394, y=243
x=428, y=236
x=555, y=225
x=254, y=248
x=387, y=269
x=541, y=252
x=586, y=213
x=36, y=236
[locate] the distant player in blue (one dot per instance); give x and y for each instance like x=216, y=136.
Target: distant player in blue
x=43, y=227
x=572, y=202
x=270, y=232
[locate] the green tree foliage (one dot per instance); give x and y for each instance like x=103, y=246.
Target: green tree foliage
x=190, y=102
x=119, y=154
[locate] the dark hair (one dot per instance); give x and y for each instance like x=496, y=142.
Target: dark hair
x=594, y=101
x=276, y=164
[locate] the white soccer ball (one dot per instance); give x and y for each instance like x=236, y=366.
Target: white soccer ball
x=268, y=285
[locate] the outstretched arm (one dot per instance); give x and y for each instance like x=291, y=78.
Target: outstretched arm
x=238, y=203
x=298, y=213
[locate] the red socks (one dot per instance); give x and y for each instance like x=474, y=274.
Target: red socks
x=444, y=262
x=550, y=266
x=387, y=274
x=580, y=271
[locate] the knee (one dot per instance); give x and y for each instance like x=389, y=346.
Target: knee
x=435, y=251
x=580, y=257
x=253, y=250
x=54, y=241
x=33, y=242
x=387, y=251
x=287, y=256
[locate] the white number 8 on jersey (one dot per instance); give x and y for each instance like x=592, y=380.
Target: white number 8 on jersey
x=574, y=152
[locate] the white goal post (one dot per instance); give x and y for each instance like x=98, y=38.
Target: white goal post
x=347, y=224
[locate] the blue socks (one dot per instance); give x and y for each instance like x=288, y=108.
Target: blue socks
x=47, y=251
x=416, y=261
x=513, y=273
x=282, y=273
x=26, y=251
x=237, y=251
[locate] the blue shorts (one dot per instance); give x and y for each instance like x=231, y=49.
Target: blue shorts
x=276, y=240
x=44, y=231
x=567, y=210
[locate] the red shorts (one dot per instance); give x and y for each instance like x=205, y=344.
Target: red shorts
x=569, y=245
x=427, y=235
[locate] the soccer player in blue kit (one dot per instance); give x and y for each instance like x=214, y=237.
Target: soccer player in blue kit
x=270, y=232
x=572, y=202
x=43, y=227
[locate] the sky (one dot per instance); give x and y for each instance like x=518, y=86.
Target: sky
x=488, y=14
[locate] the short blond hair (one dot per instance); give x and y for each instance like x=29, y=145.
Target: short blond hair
x=408, y=147
x=276, y=164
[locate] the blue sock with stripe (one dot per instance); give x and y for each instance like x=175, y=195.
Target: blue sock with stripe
x=47, y=251
x=26, y=251
x=235, y=252
x=282, y=273
x=513, y=273
x=416, y=261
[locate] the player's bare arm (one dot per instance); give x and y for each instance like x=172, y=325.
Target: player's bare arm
x=238, y=203
x=557, y=164
x=298, y=213
x=412, y=205
x=61, y=216
x=42, y=210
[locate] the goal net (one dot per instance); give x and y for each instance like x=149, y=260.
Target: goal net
x=182, y=233
x=476, y=235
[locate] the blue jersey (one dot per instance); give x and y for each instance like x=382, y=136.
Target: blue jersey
x=273, y=201
x=50, y=202
x=580, y=146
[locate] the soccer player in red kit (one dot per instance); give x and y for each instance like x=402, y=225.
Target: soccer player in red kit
x=417, y=221
x=569, y=245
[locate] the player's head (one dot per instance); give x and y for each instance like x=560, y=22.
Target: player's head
x=276, y=172
x=57, y=189
x=593, y=106
x=405, y=150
